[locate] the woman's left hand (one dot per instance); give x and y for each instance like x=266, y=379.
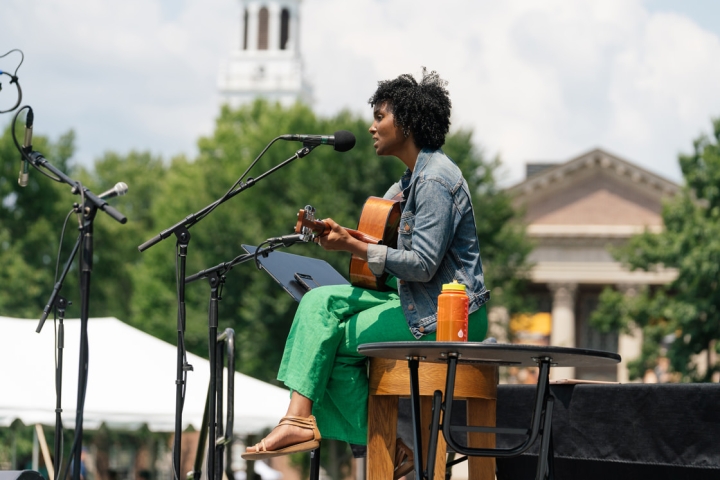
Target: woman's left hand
x=337, y=239
x=340, y=239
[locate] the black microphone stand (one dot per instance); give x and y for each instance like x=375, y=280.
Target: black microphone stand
x=85, y=274
x=216, y=279
x=181, y=231
x=88, y=209
x=61, y=302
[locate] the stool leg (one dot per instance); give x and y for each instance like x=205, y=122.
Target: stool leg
x=441, y=451
x=382, y=432
x=481, y=412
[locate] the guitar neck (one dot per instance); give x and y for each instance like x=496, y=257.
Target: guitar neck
x=363, y=237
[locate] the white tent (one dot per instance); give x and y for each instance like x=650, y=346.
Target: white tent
x=131, y=380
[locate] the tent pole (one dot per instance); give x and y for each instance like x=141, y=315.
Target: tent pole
x=40, y=434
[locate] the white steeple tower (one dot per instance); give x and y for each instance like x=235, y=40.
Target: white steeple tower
x=266, y=60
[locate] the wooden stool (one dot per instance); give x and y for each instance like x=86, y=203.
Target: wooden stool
x=390, y=380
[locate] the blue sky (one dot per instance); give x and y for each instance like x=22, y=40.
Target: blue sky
x=705, y=13
x=536, y=81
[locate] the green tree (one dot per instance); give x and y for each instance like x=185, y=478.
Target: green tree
x=30, y=222
x=115, y=250
x=140, y=288
x=681, y=319
x=335, y=183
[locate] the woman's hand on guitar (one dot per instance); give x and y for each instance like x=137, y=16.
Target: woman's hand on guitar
x=340, y=239
x=336, y=239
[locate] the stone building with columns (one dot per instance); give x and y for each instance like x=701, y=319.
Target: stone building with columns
x=265, y=59
x=575, y=212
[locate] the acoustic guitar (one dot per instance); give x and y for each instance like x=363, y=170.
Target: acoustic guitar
x=378, y=224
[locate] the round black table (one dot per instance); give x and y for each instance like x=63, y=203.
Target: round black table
x=499, y=354
x=494, y=354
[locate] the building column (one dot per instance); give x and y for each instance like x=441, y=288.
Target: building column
x=294, y=33
x=563, y=323
x=274, y=27
x=242, y=43
x=498, y=321
x=253, y=23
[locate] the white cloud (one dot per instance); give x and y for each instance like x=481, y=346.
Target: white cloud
x=118, y=72
x=664, y=91
x=535, y=80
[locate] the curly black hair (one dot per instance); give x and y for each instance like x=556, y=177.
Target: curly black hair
x=421, y=108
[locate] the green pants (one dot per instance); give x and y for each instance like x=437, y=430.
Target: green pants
x=321, y=361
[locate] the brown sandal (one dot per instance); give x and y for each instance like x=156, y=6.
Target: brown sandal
x=308, y=423
x=404, y=459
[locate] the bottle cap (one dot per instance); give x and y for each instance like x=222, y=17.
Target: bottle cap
x=454, y=286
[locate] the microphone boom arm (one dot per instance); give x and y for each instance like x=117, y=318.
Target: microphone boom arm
x=38, y=161
x=194, y=218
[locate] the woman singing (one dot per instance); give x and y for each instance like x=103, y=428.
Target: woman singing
x=437, y=243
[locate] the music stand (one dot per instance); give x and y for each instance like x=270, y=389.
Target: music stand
x=296, y=274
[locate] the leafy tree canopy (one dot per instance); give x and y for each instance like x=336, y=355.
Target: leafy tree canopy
x=140, y=288
x=682, y=319
x=29, y=225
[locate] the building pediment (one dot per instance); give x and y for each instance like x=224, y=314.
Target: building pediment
x=575, y=211
x=593, y=193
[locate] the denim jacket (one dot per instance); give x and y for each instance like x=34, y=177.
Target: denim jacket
x=437, y=241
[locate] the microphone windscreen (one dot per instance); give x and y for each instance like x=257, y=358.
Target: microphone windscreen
x=344, y=140
x=121, y=188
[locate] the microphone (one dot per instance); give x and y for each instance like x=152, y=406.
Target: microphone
x=27, y=148
x=288, y=240
x=118, y=190
x=342, y=140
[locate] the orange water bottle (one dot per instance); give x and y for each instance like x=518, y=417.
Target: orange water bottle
x=452, y=317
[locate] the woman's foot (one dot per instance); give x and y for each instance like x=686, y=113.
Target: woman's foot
x=292, y=435
x=296, y=432
x=282, y=436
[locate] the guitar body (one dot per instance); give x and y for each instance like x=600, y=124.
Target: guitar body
x=380, y=218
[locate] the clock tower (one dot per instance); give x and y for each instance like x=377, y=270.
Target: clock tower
x=266, y=60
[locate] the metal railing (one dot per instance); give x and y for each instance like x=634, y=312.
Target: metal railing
x=219, y=450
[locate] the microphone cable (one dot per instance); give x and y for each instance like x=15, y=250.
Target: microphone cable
x=259, y=251
x=238, y=181
x=13, y=79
